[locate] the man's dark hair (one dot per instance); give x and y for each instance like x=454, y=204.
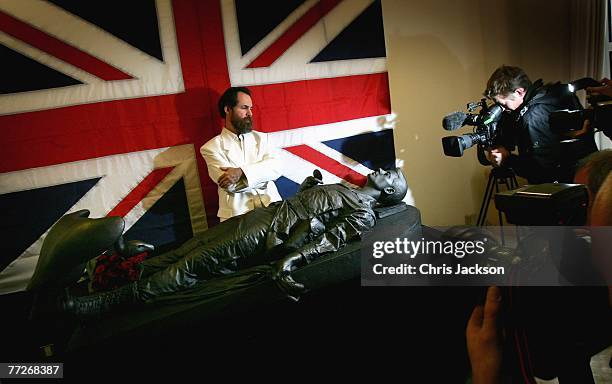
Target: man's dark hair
x=599, y=165
x=400, y=186
x=505, y=80
x=229, y=98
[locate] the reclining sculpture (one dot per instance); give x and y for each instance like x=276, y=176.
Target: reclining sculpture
x=319, y=219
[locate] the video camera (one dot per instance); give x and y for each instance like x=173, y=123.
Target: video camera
x=599, y=115
x=485, y=123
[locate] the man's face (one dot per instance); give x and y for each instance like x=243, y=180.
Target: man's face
x=511, y=101
x=382, y=179
x=240, y=116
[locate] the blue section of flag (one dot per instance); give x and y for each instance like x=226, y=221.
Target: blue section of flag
x=286, y=187
x=22, y=74
x=134, y=22
x=257, y=19
x=28, y=214
x=167, y=223
x=363, y=38
x=374, y=150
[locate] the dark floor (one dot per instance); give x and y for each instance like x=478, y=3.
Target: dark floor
x=346, y=331
x=378, y=330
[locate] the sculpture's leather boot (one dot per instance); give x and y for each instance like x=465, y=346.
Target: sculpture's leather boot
x=70, y=243
x=101, y=303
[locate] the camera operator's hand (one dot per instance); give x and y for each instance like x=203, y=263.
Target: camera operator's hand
x=604, y=89
x=484, y=339
x=497, y=155
x=586, y=127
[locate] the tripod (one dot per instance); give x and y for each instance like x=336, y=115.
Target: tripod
x=497, y=176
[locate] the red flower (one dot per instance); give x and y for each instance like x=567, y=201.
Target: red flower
x=113, y=271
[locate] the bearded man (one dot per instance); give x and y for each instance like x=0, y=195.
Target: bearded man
x=240, y=160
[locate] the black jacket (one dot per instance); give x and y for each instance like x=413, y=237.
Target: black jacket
x=542, y=158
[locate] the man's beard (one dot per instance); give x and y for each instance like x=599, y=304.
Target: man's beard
x=242, y=125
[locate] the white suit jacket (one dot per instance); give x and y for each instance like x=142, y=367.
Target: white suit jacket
x=258, y=162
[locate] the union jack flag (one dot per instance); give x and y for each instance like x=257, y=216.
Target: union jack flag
x=106, y=110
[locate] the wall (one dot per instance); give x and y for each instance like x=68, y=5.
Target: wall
x=440, y=55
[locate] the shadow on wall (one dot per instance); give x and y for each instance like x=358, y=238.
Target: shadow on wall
x=424, y=88
x=184, y=201
x=199, y=119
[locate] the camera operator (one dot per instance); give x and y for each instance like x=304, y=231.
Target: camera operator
x=541, y=158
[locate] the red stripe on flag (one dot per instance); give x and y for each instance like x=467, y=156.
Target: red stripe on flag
x=330, y=165
x=138, y=193
x=62, y=135
x=59, y=49
x=322, y=101
x=297, y=30
x=56, y=136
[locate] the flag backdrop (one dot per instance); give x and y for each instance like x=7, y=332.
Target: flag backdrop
x=105, y=104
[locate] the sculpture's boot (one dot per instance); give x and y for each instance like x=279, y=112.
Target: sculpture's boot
x=101, y=303
x=283, y=279
x=70, y=243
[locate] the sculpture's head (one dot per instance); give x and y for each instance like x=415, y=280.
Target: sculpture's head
x=391, y=184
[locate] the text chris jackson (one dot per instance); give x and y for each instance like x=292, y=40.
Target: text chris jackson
x=410, y=248
x=429, y=269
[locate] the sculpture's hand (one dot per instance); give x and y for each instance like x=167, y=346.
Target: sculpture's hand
x=132, y=247
x=309, y=182
x=282, y=276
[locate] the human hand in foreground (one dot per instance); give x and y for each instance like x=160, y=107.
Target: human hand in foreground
x=484, y=340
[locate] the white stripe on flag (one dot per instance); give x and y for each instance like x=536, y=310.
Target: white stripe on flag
x=332, y=131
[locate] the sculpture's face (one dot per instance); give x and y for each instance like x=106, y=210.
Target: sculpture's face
x=382, y=179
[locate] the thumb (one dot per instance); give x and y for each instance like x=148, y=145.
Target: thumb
x=476, y=319
x=492, y=307
x=224, y=168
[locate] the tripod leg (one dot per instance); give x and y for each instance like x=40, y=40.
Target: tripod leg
x=482, y=205
x=514, y=185
x=499, y=214
x=515, y=182
x=485, y=201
